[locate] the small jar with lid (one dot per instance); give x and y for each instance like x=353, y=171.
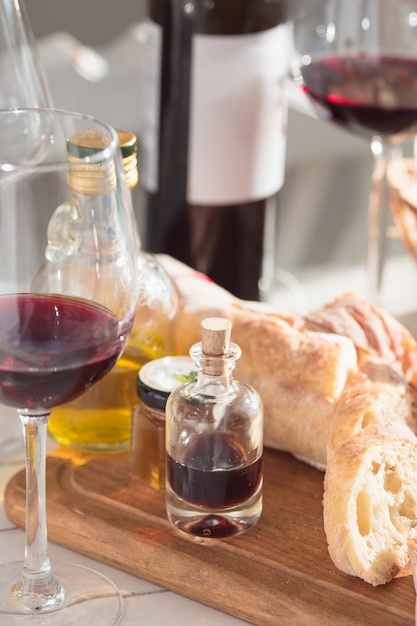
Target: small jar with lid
x=155, y=381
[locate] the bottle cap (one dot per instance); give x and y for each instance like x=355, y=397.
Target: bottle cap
x=128, y=143
x=156, y=379
x=86, y=144
x=129, y=148
x=89, y=178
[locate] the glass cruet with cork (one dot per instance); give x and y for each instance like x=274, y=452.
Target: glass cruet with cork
x=214, y=443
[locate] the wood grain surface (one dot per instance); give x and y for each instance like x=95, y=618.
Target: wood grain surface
x=278, y=573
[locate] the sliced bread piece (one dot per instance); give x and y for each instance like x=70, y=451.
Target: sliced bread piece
x=370, y=502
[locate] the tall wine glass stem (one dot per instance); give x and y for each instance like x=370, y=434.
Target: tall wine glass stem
x=37, y=587
x=378, y=219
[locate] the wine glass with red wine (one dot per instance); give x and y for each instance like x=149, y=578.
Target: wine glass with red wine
x=357, y=62
x=63, y=201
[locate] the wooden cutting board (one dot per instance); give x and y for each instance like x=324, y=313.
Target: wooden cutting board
x=277, y=573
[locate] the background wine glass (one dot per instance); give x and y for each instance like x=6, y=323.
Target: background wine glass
x=58, y=338
x=23, y=79
x=23, y=84
x=357, y=62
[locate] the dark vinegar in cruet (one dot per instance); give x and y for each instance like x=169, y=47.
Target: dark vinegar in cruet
x=213, y=473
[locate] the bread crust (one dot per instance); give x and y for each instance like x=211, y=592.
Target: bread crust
x=373, y=331
x=376, y=394
x=370, y=502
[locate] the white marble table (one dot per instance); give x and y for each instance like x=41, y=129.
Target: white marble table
x=144, y=603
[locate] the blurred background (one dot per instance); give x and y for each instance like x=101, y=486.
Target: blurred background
x=93, y=22
x=91, y=52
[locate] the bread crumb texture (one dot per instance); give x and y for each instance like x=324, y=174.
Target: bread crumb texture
x=370, y=502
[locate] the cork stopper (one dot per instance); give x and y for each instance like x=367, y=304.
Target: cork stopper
x=215, y=354
x=215, y=336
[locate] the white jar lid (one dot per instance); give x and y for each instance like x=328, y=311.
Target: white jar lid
x=157, y=378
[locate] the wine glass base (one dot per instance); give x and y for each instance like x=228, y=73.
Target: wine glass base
x=90, y=598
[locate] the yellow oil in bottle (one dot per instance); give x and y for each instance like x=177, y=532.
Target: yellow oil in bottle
x=100, y=419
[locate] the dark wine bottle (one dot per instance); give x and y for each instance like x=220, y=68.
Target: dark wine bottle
x=212, y=147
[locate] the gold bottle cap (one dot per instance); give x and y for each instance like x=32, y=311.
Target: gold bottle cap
x=87, y=144
x=89, y=178
x=128, y=143
x=129, y=149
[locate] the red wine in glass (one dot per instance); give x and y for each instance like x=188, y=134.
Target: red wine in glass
x=52, y=348
x=370, y=94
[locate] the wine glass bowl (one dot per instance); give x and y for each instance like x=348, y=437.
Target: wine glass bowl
x=68, y=293
x=357, y=64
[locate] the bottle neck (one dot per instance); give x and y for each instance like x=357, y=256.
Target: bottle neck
x=73, y=222
x=216, y=366
x=214, y=386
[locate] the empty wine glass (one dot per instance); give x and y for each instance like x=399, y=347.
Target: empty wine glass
x=63, y=197
x=23, y=83
x=357, y=62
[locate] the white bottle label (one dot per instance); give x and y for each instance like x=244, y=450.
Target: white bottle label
x=238, y=116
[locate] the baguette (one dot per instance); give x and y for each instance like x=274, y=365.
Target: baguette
x=299, y=374
x=373, y=331
x=370, y=503
x=376, y=394
x=299, y=377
